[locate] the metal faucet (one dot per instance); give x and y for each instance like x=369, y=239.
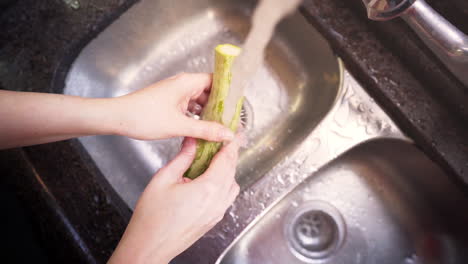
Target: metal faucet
x=448, y=43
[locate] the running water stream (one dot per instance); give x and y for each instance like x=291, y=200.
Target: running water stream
x=266, y=16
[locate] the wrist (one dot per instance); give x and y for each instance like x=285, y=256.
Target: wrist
x=105, y=115
x=138, y=253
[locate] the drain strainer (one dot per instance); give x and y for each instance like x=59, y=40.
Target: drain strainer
x=246, y=116
x=315, y=231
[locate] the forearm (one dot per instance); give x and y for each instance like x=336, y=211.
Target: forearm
x=141, y=248
x=36, y=118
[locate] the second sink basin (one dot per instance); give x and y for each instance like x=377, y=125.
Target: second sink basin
x=293, y=91
x=381, y=202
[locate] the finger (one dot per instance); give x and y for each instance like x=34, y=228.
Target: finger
x=194, y=84
x=211, y=131
x=197, y=84
x=223, y=166
x=175, y=169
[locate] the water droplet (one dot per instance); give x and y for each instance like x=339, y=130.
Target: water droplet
x=374, y=127
x=361, y=108
x=292, y=178
x=74, y=4
x=232, y=214
x=221, y=235
x=280, y=179
x=363, y=119
x=353, y=102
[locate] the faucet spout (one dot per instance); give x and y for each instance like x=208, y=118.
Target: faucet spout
x=386, y=9
x=447, y=42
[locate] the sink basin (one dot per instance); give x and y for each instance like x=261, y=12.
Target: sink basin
x=383, y=202
x=292, y=92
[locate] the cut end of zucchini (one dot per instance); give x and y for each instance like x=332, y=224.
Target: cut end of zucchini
x=228, y=50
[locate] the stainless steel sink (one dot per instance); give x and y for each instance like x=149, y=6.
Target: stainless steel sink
x=381, y=202
x=291, y=94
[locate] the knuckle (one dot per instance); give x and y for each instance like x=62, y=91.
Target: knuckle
x=188, y=152
x=215, y=131
x=210, y=188
x=203, y=130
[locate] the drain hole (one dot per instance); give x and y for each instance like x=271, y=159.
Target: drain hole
x=315, y=231
x=246, y=116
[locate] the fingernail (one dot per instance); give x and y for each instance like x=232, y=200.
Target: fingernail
x=227, y=135
x=197, y=109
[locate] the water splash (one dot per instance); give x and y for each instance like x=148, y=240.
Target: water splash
x=266, y=15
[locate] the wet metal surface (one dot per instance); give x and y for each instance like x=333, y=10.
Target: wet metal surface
x=302, y=111
x=396, y=206
x=354, y=118
x=394, y=69
x=291, y=93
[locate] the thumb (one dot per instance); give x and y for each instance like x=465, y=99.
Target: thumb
x=208, y=130
x=177, y=167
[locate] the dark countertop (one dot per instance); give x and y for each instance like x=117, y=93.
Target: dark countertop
x=80, y=217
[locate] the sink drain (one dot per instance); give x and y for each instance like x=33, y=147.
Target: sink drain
x=315, y=231
x=246, y=116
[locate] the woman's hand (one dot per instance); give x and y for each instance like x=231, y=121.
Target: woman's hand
x=173, y=212
x=156, y=112
x=159, y=111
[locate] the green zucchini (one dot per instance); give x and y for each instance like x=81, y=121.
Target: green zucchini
x=213, y=111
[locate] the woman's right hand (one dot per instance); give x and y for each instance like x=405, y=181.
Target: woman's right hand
x=174, y=212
